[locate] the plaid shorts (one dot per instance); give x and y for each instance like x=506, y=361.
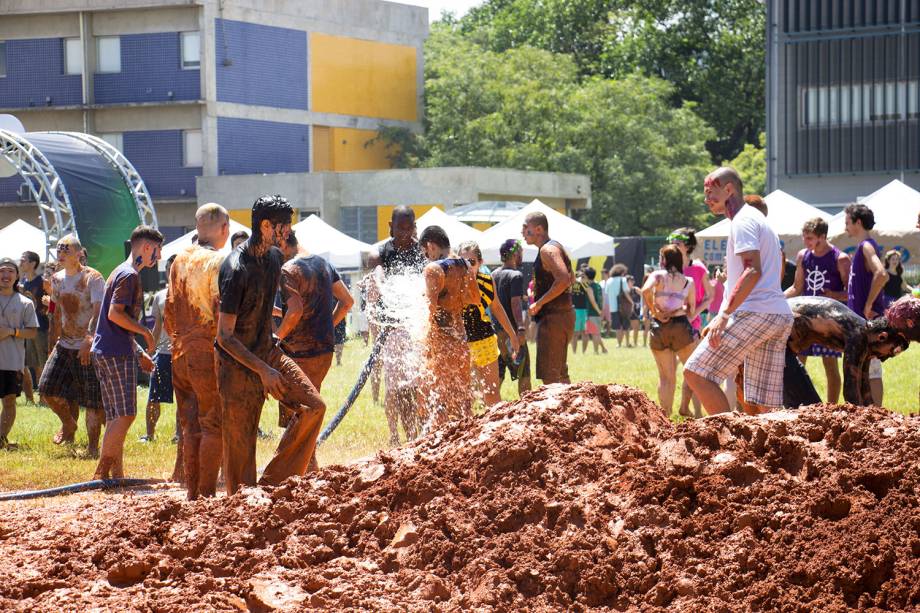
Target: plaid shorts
x=118, y=381
x=65, y=377
x=758, y=340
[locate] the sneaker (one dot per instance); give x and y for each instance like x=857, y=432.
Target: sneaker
x=263, y=435
x=145, y=439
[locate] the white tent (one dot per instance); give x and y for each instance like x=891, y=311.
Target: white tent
x=785, y=214
x=457, y=231
x=321, y=239
x=173, y=247
x=579, y=240
x=21, y=236
x=896, y=207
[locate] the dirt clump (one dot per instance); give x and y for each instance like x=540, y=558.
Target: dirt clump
x=576, y=497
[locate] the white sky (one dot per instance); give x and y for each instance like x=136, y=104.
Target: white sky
x=459, y=7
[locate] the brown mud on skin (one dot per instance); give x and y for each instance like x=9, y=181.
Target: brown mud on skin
x=578, y=497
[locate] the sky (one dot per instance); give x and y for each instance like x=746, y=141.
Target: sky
x=459, y=7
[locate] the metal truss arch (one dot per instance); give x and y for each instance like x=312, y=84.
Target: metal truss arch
x=45, y=186
x=145, y=211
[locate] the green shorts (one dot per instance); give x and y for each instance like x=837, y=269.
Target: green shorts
x=581, y=319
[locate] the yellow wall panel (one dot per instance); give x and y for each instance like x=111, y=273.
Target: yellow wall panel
x=361, y=77
x=243, y=216
x=322, y=149
x=349, y=151
x=385, y=211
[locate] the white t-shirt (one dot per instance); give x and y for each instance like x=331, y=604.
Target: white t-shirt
x=16, y=311
x=157, y=308
x=750, y=232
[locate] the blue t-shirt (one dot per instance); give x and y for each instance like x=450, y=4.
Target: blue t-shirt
x=122, y=287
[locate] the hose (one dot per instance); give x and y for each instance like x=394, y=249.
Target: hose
x=97, y=484
x=359, y=385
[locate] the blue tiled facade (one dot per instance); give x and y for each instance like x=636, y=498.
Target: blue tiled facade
x=246, y=146
x=9, y=188
x=151, y=68
x=261, y=65
x=157, y=156
x=35, y=72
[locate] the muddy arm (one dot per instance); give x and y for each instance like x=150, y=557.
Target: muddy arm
x=856, y=371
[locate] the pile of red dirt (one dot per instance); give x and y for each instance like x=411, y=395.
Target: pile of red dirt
x=576, y=497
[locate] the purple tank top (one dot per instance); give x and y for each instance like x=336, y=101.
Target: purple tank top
x=821, y=274
x=861, y=282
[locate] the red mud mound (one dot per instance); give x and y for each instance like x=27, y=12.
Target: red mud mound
x=577, y=497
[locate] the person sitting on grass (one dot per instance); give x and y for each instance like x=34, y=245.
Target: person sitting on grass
x=18, y=322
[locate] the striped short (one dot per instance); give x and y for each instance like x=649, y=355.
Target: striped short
x=485, y=351
x=65, y=377
x=757, y=340
x=118, y=380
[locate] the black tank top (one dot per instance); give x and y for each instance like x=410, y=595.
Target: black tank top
x=410, y=260
x=543, y=280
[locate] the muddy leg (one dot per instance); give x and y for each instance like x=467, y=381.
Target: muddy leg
x=94, y=419
x=64, y=409
x=241, y=405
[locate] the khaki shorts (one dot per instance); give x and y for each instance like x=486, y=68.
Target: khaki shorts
x=672, y=335
x=757, y=340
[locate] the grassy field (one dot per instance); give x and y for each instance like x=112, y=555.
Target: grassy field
x=37, y=463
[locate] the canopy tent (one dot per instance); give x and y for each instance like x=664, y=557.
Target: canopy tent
x=486, y=211
x=339, y=249
x=896, y=207
x=457, y=231
x=785, y=214
x=172, y=248
x=579, y=240
x=21, y=236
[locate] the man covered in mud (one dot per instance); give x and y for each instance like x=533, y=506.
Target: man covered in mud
x=251, y=366
x=190, y=318
x=315, y=300
x=398, y=256
x=754, y=321
x=69, y=380
x=830, y=323
x=552, y=306
x=450, y=285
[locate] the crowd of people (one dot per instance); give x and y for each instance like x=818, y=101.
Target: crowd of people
x=265, y=320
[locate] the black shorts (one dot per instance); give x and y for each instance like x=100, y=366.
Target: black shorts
x=618, y=322
x=65, y=377
x=10, y=383
x=161, y=385
x=673, y=335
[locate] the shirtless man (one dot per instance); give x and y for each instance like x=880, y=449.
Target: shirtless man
x=69, y=379
x=830, y=323
x=190, y=317
x=450, y=285
x=400, y=255
x=249, y=365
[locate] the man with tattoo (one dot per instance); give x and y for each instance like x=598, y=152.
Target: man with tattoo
x=450, y=285
x=754, y=322
x=867, y=279
x=829, y=323
x=552, y=306
x=249, y=365
x=821, y=269
x=190, y=316
x=69, y=380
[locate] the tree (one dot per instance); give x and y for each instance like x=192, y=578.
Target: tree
x=751, y=164
x=527, y=108
x=712, y=51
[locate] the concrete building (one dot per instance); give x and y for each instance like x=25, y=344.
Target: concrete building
x=223, y=100
x=192, y=88
x=843, y=97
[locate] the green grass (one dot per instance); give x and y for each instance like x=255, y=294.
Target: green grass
x=38, y=463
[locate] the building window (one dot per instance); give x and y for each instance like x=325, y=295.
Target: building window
x=73, y=56
x=191, y=147
x=108, y=54
x=191, y=50
x=860, y=103
x=2, y=58
x=113, y=138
